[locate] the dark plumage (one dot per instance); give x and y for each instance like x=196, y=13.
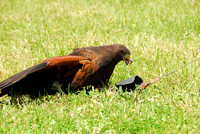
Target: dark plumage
x=83, y=67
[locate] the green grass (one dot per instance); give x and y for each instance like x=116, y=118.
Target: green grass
x=161, y=35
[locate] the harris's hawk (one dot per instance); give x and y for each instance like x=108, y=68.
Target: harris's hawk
x=83, y=67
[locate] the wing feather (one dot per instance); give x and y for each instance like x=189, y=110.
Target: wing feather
x=17, y=77
x=49, y=64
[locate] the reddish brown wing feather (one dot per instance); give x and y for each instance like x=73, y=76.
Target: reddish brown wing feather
x=53, y=65
x=63, y=60
x=84, y=75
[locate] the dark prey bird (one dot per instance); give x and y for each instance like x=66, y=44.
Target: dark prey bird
x=83, y=67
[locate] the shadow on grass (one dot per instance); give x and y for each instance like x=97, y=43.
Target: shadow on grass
x=19, y=100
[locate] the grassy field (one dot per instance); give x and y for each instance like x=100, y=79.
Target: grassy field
x=161, y=35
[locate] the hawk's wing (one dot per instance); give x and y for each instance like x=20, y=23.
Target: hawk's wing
x=44, y=71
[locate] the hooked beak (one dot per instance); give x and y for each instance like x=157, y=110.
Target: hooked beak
x=127, y=59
